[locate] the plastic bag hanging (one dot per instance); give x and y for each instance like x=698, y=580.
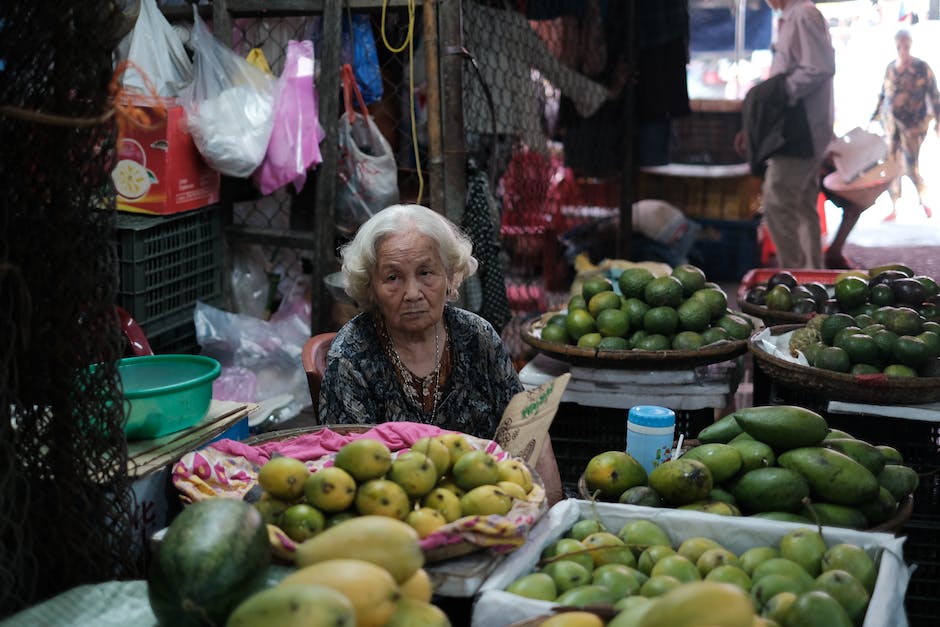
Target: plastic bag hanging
x=157, y=53
x=295, y=140
x=229, y=105
x=368, y=175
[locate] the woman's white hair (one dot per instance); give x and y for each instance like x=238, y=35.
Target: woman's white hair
x=359, y=255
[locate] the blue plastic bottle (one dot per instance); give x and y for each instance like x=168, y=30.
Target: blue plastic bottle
x=650, y=434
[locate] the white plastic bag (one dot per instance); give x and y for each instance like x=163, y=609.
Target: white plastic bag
x=229, y=105
x=157, y=55
x=366, y=169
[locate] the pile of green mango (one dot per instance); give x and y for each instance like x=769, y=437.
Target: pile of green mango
x=781, y=462
x=784, y=462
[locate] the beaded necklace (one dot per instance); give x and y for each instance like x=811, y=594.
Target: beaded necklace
x=411, y=383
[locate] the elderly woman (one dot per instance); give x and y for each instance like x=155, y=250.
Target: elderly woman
x=411, y=356
x=909, y=85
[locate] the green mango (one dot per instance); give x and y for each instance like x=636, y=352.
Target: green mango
x=833, y=515
x=720, y=431
x=816, y=609
x=879, y=509
x=783, y=427
x=859, y=450
x=899, y=480
x=588, y=594
x=832, y=476
x=770, y=489
x=784, y=516
x=837, y=434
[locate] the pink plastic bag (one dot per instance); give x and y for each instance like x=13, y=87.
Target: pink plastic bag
x=295, y=140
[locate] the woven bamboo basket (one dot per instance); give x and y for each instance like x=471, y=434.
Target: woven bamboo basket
x=837, y=386
x=630, y=359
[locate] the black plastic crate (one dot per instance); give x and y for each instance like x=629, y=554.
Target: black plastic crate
x=579, y=432
x=167, y=264
x=922, y=549
x=154, y=251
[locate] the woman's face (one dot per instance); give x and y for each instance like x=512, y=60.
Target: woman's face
x=903, y=45
x=409, y=282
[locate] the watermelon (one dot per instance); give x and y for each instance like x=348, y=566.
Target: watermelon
x=214, y=555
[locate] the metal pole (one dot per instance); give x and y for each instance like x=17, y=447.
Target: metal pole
x=432, y=67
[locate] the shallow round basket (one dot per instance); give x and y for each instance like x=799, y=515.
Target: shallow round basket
x=436, y=554
x=876, y=389
x=772, y=317
x=599, y=358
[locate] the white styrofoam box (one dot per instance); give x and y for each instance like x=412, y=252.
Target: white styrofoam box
x=495, y=606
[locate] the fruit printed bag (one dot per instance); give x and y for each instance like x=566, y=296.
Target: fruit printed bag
x=229, y=105
x=295, y=140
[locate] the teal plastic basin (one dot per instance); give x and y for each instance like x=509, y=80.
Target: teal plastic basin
x=166, y=393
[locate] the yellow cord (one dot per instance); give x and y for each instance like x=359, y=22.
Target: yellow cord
x=409, y=42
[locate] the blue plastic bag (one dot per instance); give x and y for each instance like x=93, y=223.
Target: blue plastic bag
x=358, y=50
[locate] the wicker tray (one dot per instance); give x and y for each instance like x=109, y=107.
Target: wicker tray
x=876, y=389
x=436, y=554
x=627, y=359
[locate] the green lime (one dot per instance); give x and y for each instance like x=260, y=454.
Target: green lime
x=865, y=309
x=654, y=342
x=911, y=351
x=580, y=322
x=779, y=298
x=662, y=320
x=590, y=340
x=613, y=323
x=694, y=315
x=843, y=333
x=555, y=333
x=715, y=298
x=932, y=340
x=595, y=285
x=832, y=358
x=885, y=340
x=691, y=277
x=881, y=294
x=558, y=319
x=664, y=291
x=932, y=325
x=577, y=302
x=861, y=348
x=636, y=337
x=930, y=286
x=687, y=340
x=851, y=292
x=632, y=281
x=603, y=300
x=832, y=324
x=899, y=371
x=882, y=314
x=873, y=328
x=614, y=343
x=905, y=321
x=863, y=320
x=737, y=326
x=714, y=334
x=864, y=369
x=811, y=350
x=635, y=309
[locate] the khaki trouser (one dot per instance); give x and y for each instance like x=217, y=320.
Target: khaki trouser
x=790, y=191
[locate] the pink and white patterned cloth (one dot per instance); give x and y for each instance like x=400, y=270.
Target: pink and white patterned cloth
x=229, y=468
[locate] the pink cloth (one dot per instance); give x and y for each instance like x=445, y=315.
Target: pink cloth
x=311, y=446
